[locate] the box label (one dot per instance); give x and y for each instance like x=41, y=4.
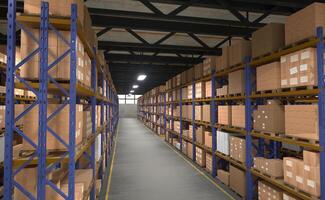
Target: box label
x=303, y=67
x=294, y=58
x=305, y=55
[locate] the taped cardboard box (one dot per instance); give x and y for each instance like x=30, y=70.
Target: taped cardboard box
x=238, y=51
x=224, y=115
x=302, y=24
x=302, y=121
x=190, y=75
x=267, y=39
x=237, y=180
x=223, y=176
x=236, y=82
x=238, y=116
x=268, y=77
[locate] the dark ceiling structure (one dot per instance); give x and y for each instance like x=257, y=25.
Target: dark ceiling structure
x=146, y=57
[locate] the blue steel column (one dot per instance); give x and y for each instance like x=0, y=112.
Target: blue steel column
x=213, y=123
x=172, y=114
x=93, y=123
x=10, y=121
x=108, y=140
x=41, y=181
x=72, y=102
x=248, y=125
x=193, y=123
x=180, y=120
x=321, y=106
x=102, y=130
x=165, y=123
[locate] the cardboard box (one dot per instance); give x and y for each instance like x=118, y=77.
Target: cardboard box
x=223, y=142
x=200, y=156
x=208, y=162
x=303, y=24
x=223, y=91
x=271, y=167
x=267, y=39
x=83, y=178
x=268, y=77
x=208, y=89
x=206, y=113
x=198, y=112
x=238, y=148
x=209, y=64
x=208, y=139
x=87, y=124
x=302, y=121
x=199, y=90
x=268, y=191
x=189, y=92
x=269, y=118
x=223, y=176
x=190, y=150
x=184, y=146
x=311, y=158
x=199, y=131
x=237, y=180
x=59, y=124
x=198, y=71
x=238, y=51
x=190, y=75
x=224, y=115
x=236, y=81
x=238, y=116
x=311, y=173
x=288, y=197
x=222, y=61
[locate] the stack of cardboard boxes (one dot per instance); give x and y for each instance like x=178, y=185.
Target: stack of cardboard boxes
x=268, y=77
x=208, y=64
x=237, y=180
x=208, y=139
x=199, y=131
x=223, y=176
x=303, y=174
x=238, y=116
x=236, y=82
x=224, y=115
x=200, y=156
x=208, y=89
x=267, y=191
x=271, y=167
x=238, y=149
x=208, y=162
x=223, y=91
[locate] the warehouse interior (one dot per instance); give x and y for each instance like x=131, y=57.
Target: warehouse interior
x=162, y=99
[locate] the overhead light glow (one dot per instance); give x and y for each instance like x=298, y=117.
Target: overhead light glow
x=132, y=91
x=135, y=86
x=141, y=77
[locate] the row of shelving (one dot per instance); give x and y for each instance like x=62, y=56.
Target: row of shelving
x=264, y=144
x=69, y=126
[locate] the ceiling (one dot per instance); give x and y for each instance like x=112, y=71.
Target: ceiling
x=162, y=38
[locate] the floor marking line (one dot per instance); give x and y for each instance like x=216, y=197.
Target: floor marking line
x=194, y=167
x=112, y=164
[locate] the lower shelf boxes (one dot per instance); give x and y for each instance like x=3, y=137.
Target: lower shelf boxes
x=200, y=156
x=208, y=162
x=223, y=176
x=190, y=150
x=208, y=139
x=238, y=149
x=237, y=180
x=184, y=147
x=267, y=191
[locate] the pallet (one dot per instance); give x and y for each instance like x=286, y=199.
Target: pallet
x=236, y=95
x=299, y=42
x=267, y=175
x=298, y=88
x=307, y=140
x=267, y=91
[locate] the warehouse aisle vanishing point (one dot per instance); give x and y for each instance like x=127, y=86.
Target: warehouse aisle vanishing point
x=145, y=168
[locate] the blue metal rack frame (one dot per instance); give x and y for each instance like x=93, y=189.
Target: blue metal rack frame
x=42, y=102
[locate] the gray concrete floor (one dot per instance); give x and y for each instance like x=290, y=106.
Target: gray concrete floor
x=147, y=169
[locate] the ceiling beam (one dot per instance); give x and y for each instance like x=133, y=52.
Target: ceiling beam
x=151, y=59
x=138, y=47
x=146, y=68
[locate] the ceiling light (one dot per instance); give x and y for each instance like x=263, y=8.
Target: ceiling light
x=132, y=91
x=141, y=77
x=135, y=86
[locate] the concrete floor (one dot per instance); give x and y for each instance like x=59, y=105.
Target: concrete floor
x=145, y=168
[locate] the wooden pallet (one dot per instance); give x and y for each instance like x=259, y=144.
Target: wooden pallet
x=267, y=91
x=307, y=140
x=301, y=191
x=267, y=175
x=236, y=95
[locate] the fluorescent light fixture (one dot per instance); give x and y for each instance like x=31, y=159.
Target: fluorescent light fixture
x=132, y=91
x=135, y=86
x=141, y=77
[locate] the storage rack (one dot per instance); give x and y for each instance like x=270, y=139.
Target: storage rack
x=70, y=93
x=252, y=99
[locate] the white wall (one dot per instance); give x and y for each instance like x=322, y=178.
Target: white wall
x=128, y=110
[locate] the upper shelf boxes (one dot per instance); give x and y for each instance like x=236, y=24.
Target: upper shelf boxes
x=303, y=24
x=239, y=51
x=268, y=77
x=208, y=64
x=267, y=39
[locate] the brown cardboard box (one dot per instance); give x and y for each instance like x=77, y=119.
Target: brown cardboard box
x=302, y=121
x=198, y=112
x=268, y=191
x=206, y=113
x=83, y=177
x=311, y=158
x=238, y=116
x=87, y=124
x=274, y=167
x=59, y=124
x=223, y=91
x=199, y=90
x=178, y=79
x=223, y=176
x=190, y=150
x=200, y=156
x=267, y=39
x=311, y=172
x=236, y=82
x=198, y=71
x=190, y=75
x=208, y=139
x=291, y=167
x=224, y=115
x=189, y=92
x=303, y=24
x=183, y=78
x=269, y=117
x=208, y=89
x=237, y=180
x=184, y=146
x=238, y=51
x=222, y=61
x=209, y=63
x=238, y=148
x=288, y=197
x=268, y=77
x=259, y=163
x=199, y=131
x=208, y=162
